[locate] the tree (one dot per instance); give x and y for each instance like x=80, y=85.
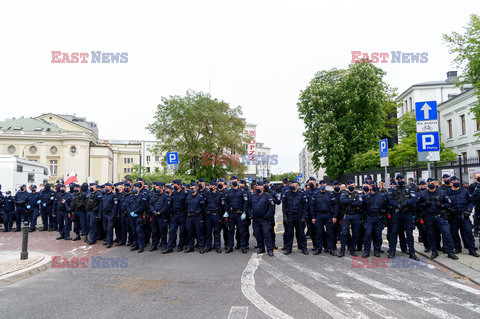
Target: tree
x=289, y=175
x=345, y=112
x=159, y=176
x=466, y=47
x=202, y=130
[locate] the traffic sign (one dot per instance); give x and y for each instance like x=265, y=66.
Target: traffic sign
x=300, y=175
x=427, y=126
x=425, y=111
x=172, y=158
x=429, y=156
x=428, y=142
x=249, y=179
x=383, y=148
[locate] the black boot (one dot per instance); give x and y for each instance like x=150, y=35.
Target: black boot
x=341, y=253
x=153, y=248
x=391, y=254
x=414, y=257
x=76, y=238
x=366, y=255
x=287, y=252
x=434, y=255
x=473, y=253
x=353, y=253
x=452, y=256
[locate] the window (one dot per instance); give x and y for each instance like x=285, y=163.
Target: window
x=148, y=169
x=157, y=158
x=32, y=149
x=406, y=106
x=20, y=168
x=477, y=125
x=148, y=158
x=450, y=130
x=411, y=106
x=53, y=150
x=31, y=178
x=11, y=149
x=53, y=167
x=462, y=124
x=478, y=154
x=45, y=171
x=73, y=150
x=464, y=157
x=128, y=170
x=127, y=160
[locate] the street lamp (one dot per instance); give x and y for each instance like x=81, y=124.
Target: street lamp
x=23, y=152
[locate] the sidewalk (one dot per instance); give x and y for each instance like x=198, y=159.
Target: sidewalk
x=13, y=269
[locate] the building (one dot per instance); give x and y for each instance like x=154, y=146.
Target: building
x=306, y=166
x=258, y=158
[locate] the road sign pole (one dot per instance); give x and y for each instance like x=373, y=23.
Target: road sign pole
x=428, y=168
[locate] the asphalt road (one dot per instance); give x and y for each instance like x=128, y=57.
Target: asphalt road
x=212, y=285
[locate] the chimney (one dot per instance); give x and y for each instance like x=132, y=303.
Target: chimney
x=451, y=76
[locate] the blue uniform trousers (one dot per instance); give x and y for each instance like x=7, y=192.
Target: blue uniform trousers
x=295, y=225
x=159, y=226
x=126, y=229
x=212, y=225
x=324, y=227
x=402, y=221
x=373, y=228
x=195, y=230
x=8, y=219
x=139, y=231
x=64, y=224
x=263, y=233
x=19, y=214
x=177, y=222
x=92, y=221
x=443, y=227
x=350, y=221
x=80, y=223
x=34, y=212
x=45, y=214
x=108, y=220
x=458, y=222
x=235, y=220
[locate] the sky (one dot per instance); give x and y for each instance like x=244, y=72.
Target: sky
x=256, y=54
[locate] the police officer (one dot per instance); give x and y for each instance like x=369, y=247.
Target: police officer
x=476, y=215
x=311, y=229
x=462, y=204
x=236, y=204
x=159, y=206
x=121, y=218
x=77, y=206
x=403, y=199
x=351, y=202
x=63, y=213
x=92, y=204
x=127, y=233
x=295, y=212
x=33, y=202
x=8, y=211
x=137, y=205
x=434, y=203
x=276, y=201
x=46, y=207
x=221, y=187
x=108, y=211
x=324, y=206
x=337, y=227
x=178, y=218
x=21, y=198
x=375, y=204
x=214, y=203
x=195, y=204
x=261, y=208
x=419, y=222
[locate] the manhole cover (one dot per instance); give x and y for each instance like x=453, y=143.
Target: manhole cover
x=165, y=298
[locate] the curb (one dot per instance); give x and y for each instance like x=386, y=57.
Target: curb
x=34, y=269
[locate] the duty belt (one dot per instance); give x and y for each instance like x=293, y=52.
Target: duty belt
x=350, y=212
x=373, y=214
x=323, y=212
x=211, y=212
x=293, y=213
x=107, y=211
x=195, y=214
x=237, y=211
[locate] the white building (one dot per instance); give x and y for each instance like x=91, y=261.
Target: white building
x=306, y=166
x=259, y=156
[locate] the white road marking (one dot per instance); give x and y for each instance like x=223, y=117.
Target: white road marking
x=313, y=297
x=344, y=291
x=401, y=296
x=238, y=312
x=248, y=290
x=453, y=284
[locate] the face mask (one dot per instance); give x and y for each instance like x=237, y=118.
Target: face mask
x=200, y=186
x=135, y=191
x=431, y=186
x=22, y=189
x=41, y=188
x=401, y=183
x=375, y=188
x=77, y=191
x=192, y=191
x=366, y=188
x=266, y=187
x=62, y=191
x=337, y=189
x=220, y=187
x=234, y=184
x=258, y=190
x=447, y=182
x=478, y=179
x=34, y=191
x=212, y=188
x=8, y=195
x=292, y=188
x=175, y=188
x=127, y=189
x=351, y=188
x=311, y=185
x=91, y=189
x=322, y=188
x=456, y=184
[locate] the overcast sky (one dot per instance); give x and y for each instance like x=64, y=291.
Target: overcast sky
x=257, y=54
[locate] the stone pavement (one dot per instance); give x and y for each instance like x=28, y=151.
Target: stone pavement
x=12, y=268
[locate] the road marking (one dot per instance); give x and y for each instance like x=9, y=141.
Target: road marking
x=238, y=312
x=249, y=291
x=344, y=291
x=313, y=297
x=401, y=296
x=454, y=284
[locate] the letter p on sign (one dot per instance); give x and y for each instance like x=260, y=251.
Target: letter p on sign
x=427, y=142
x=172, y=158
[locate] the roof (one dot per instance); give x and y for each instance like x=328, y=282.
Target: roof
x=28, y=124
x=80, y=121
x=467, y=90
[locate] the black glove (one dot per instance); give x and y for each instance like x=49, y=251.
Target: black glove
x=285, y=220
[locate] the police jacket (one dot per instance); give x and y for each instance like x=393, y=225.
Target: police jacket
x=460, y=199
x=121, y=199
x=93, y=201
x=48, y=196
x=21, y=198
x=351, y=201
x=195, y=204
x=178, y=201
x=137, y=204
x=433, y=202
x=109, y=204
x=375, y=204
x=78, y=202
x=236, y=200
x=62, y=207
x=214, y=201
x=295, y=203
x=261, y=206
x=274, y=196
x=310, y=192
x=32, y=200
x=403, y=198
x=160, y=204
x=124, y=203
x=324, y=202
x=8, y=204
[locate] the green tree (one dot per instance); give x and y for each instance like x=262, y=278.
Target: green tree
x=345, y=112
x=466, y=47
x=366, y=161
x=278, y=177
x=201, y=129
x=161, y=175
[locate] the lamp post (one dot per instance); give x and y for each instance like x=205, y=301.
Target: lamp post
x=23, y=152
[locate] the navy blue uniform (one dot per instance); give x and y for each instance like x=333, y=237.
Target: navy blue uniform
x=433, y=205
x=160, y=207
x=61, y=210
x=33, y=203
x=351, y=202
x=261, y=208
x=137, y=206
x=195, y=226
x=127, y=233
x=93, y=203
x=311, y=229
x=48, y=195
x=295, y=209
x=178, y=220
x=108, y=211
x=375, y=205
x=462, y=205
x=21, y=199
x=214, y=203
x=236, y=203
x=8, y=211
x=79, y=214
x=323, y=205
x=403, y=200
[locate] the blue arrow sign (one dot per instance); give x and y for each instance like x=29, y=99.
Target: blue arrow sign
x=172, y=158
x=427, y=142
x=425, y=111
x=383, y=148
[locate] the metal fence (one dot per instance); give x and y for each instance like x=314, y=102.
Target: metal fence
x=463, y=168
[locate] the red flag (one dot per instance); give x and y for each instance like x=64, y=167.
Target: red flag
x=71, y=179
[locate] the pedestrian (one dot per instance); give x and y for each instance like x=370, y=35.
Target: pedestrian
x=261, y=208
x=295, y=212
